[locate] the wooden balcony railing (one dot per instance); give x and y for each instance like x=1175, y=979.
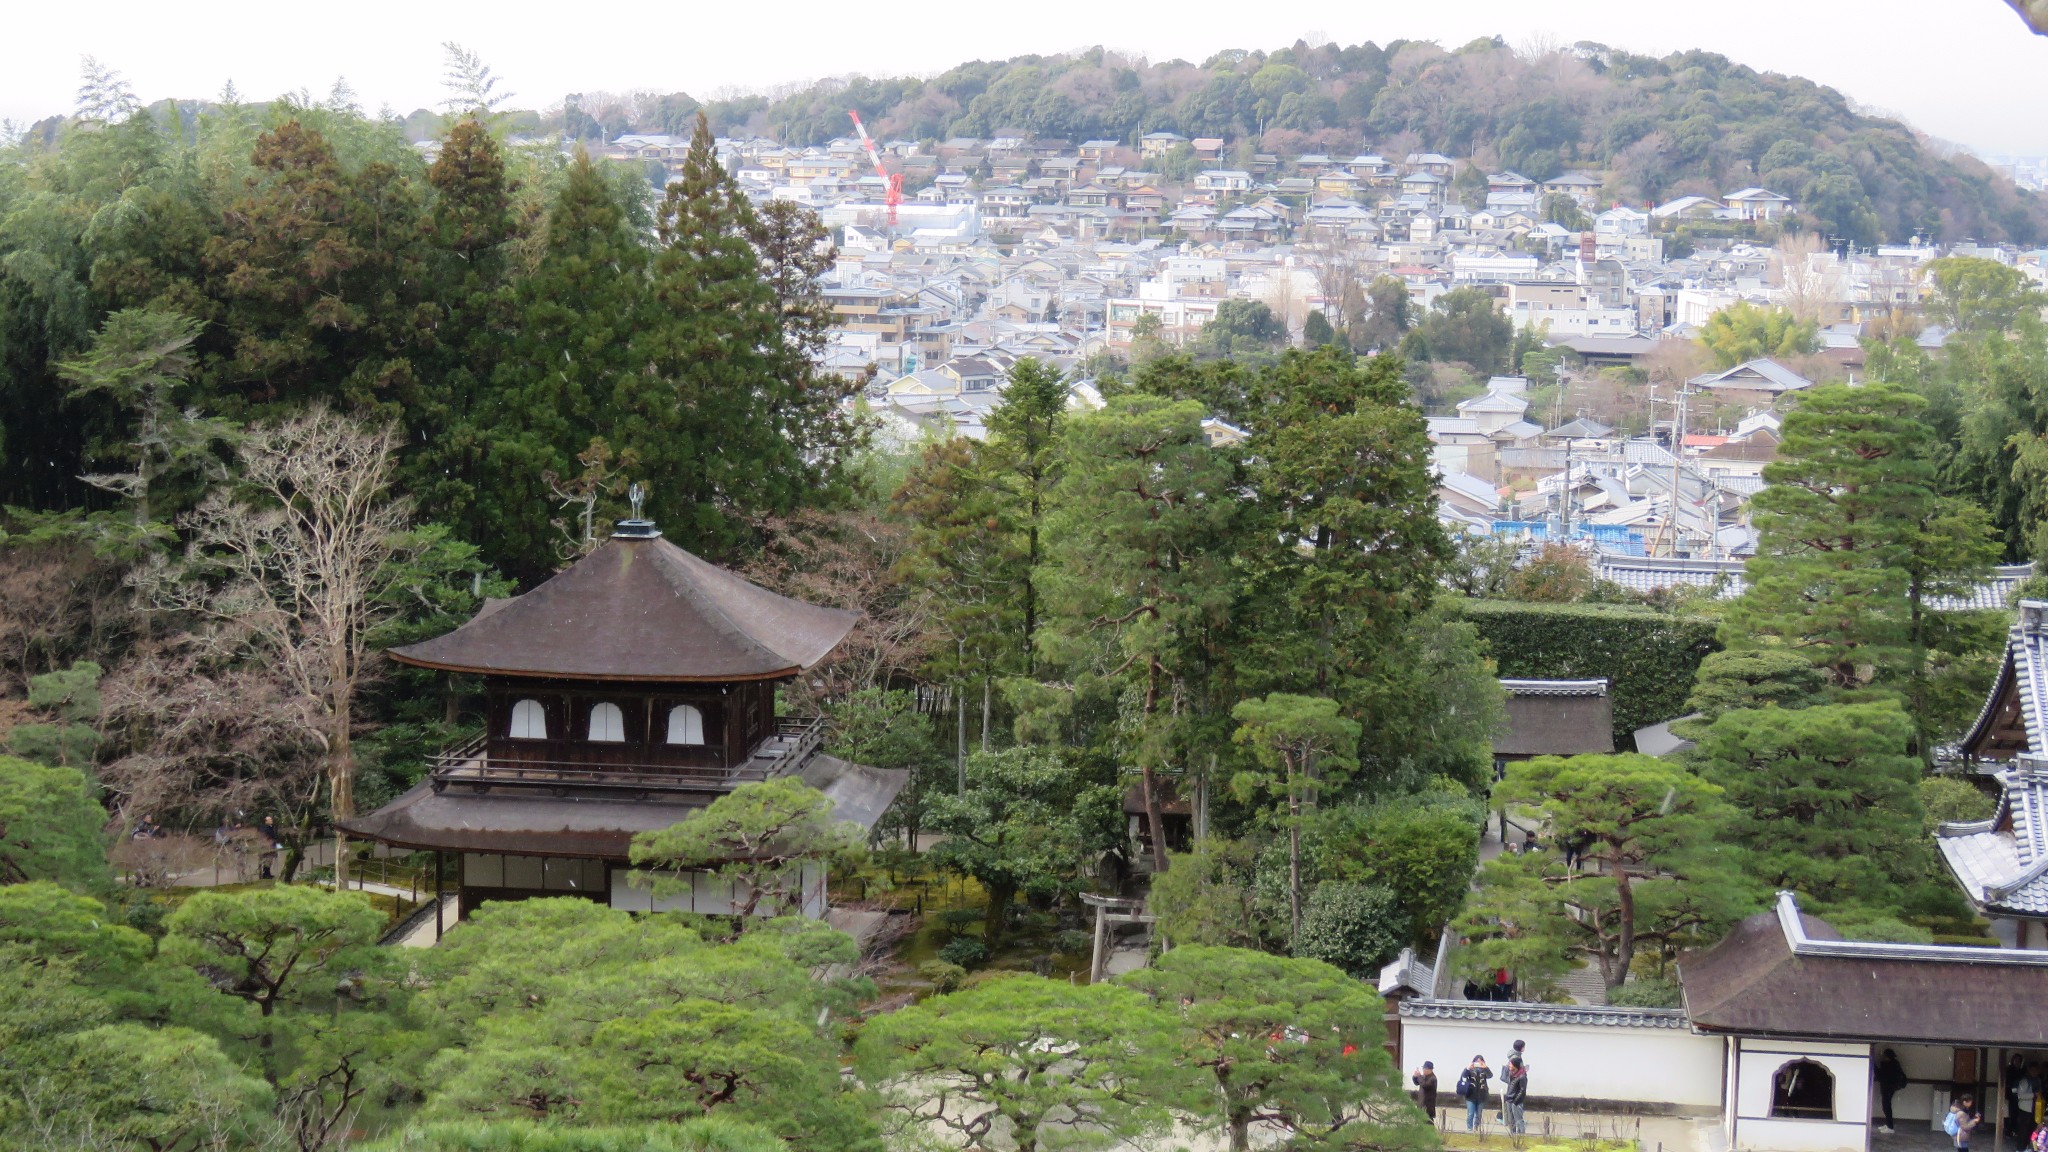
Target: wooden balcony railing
x=794, y=741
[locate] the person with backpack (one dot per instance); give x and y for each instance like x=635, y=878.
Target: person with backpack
x=1472, y=1088
x=1514, y=1094
x=1891, y=1076
x=2026, y=1090
x=1961, y=1119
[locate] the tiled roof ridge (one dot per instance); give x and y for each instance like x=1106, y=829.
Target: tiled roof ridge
x=1519, y=1012
x=1555, y=687
x=1800, y=944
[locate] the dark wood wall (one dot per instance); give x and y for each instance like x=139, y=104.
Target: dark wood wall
x=737, y=717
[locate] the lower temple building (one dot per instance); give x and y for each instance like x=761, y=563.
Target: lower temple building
x=1782, y=1030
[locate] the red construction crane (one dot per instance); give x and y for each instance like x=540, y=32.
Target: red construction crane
x=894, y=180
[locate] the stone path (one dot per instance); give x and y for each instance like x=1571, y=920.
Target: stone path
x=422, y=933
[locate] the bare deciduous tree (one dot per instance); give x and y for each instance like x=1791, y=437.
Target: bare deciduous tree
x=61, y=603
x=294, y=564
x=210, y=737
x=848, y=560
x=1808, y=283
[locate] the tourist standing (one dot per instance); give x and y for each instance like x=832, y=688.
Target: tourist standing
x=1514, y=1094
x=1472, y=1087
x=1425, y=1089
x=1891, y=1076
x=2027, y=1093
x=1962, y=1118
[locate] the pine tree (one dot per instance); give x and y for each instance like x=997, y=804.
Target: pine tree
x=1856, y=544
x=1826, y=799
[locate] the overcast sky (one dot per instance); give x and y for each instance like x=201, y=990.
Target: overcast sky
x=1964, y=70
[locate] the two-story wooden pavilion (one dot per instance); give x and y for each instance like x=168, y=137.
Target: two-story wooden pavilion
x=631, y=689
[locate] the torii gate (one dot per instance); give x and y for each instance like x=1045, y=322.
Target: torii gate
x=1111, y=910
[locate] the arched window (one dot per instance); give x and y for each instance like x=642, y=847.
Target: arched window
x=685, y=725
x=607, y=724
x=1803, y=1090
x=529, y=721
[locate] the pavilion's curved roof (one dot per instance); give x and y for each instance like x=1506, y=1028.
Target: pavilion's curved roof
x=640, y=608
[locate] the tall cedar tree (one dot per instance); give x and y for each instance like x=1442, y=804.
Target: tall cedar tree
x=978, y=541
x=965, y=556
x=1141, y=571
x=1356, y=547
x=469, y=228
x=1025, y=435
x=319, y=273
x=578, y=309
x=1857, y=546
x=722, y=408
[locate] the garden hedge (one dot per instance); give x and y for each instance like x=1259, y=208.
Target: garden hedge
x=1647, y=657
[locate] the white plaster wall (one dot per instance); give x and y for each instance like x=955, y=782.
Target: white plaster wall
x=1663, y=1066
x=1758, y=1061
x=706, y=894
x=1924, y=1103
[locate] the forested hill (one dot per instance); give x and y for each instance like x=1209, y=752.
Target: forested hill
x=1691, y=122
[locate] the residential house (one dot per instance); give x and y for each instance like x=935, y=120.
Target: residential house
x=1193, y=219
x=1424, y=184
x=1582, y=187
x=1752, y=382
x=1338, y=182
x=1689, y=208
x=1223, y=181
x=1007, y=201
x=1145, y=202
x=1431, y=163
x=1370, y=168
x=1095, y=196
x=1155, y=145
x=1207, y=147
x=1251, y=222
x=1457, y=445
x=1757, y=204
x=1498, y=408
x=1621, y=220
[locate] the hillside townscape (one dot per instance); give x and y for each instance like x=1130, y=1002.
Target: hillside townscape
x=1076, y=602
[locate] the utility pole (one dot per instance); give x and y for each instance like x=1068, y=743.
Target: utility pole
x=960, y=721
x=1677, y=461
x=1670, y=542
x=1565, y=493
